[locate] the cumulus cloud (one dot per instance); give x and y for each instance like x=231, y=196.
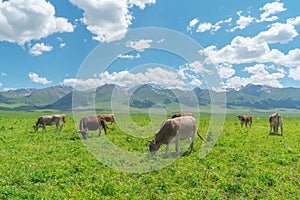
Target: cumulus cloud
x=24, y=20
x=270, y=9
x=160, y=76
x=3, y=74
x=277, y=33
x=225, y=70
x=259, y=76
x=141, y=3
x=256, y=49
x=242, y=22
x=39, y=48
x=139, y=45
x=294, y=21
x=129, y=56
x=192, y=23
x=8, y=89
x=108, y=20
x=294, y=73
x=198, y=67
x=36, y=79
x=207, y=26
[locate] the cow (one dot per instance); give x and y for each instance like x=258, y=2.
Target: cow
x=245, y=119
x=57, y=119
x=92, y=123
x=173, y=130
x=109, y=118
x=275, y=121
x=182, y=114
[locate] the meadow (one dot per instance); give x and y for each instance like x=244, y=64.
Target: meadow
x=246, y=163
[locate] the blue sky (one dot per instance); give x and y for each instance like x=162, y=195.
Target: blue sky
x=45, y=43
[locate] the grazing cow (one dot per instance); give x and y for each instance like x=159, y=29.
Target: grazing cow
x=57, y=119
x=92, y=123
x=275, y=121
x=245, y=119
x=182, y=114
x=109, y=118
x=173, y=130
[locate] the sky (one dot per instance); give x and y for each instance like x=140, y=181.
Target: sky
x=48, y=43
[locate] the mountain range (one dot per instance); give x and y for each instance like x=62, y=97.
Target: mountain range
x=146, y=96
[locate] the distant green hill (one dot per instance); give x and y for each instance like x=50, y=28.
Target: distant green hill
x=147, y=96
x=34, y=98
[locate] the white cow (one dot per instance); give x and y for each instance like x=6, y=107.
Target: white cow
x=173, y=130
x=57, y=119
x=275, y=121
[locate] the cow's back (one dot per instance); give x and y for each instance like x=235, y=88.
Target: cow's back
x=89, y=122
x=186, y=126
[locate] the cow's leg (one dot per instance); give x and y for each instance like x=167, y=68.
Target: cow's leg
x=177, y=146
x=100, y=127
x=276, y=129
x=167, y=149
x=44, y=126
x=281, y=129
x=271, y=127
x=191, y=145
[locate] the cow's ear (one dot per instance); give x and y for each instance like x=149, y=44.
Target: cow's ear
x=152, y=141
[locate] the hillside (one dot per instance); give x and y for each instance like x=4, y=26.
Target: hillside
x=147, y=96
x=34, y=97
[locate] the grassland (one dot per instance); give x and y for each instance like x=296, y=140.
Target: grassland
x=246, y=163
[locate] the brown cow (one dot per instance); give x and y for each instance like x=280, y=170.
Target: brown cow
x=92, y=123
x=57, y=119
x=173, y=130
x=245, y=119
x=109, y=118
x=275, y=121
x=182, y=114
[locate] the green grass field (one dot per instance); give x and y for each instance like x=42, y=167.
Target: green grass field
x=246, y=163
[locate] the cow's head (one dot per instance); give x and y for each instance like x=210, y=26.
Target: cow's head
x=153, y=146
x=83, y=133
x=63, y=117
x=240, y=117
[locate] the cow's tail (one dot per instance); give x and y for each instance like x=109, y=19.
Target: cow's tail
x=201, y=137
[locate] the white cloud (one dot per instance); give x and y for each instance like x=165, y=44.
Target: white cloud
x=242, y=22
x=8, y=89
x=259, y=76
x=36, y=79
x=204, y=27
x=207, y=26
x=1, y=84
x=225, y=70
x=129, y=56
x=294, y=73
x=61, y=45
x=257, y=49
x=278, y=33
x=269, y=10
x=198, y=67
x=25, y=20
x=39, y=48
x=141, y=3
x=157, y=75
x=192, y=23
x=139, y=45
x=3, y=74
x=108, y=20
x=294, y=21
